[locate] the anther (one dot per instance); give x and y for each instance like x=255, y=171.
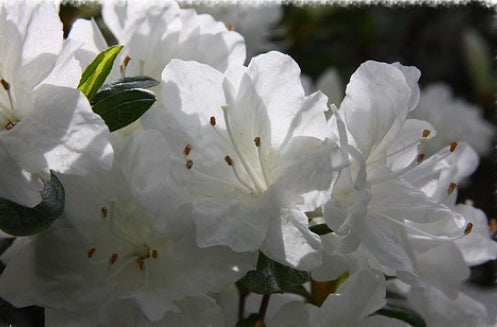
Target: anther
x=213, y=121
x=453, y=146
x=228, y=160
x=492, y=225
x=189, y=164
x=420, y=158
x=123, y=66
x=451, y=188
x=91, y=252
x=230, y=26
x=187, y=149
x=10, y=125
x=257, y=141
x=426, y=133
x=5, y=84
x=155, y=254
x=468, y=228
x=140, y=262
x=104, y=212
x=113, y=258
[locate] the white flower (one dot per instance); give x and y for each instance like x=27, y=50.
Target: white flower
x=106, y=251
x=250, y=149
x=256, y=23
x=372, y=203
x=42, y=126
x=454, y=119
x=155, y=32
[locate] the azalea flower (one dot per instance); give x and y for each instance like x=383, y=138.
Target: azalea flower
x=454, y=119
x=250, y=151
x=45, y=124
x=372, y=203
x=104, y=257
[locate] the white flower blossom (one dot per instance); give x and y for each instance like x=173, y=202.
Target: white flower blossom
x=45, y=124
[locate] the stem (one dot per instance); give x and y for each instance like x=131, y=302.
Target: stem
x=263, y=307
x=241, y=303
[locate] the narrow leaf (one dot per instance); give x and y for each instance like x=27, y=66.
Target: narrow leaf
x=121, y=109
x=401, y=313
x=273, y=277
x=95, y=74
x=21, y=221
x=128, y=83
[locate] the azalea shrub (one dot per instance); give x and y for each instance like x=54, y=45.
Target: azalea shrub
x=188, y=174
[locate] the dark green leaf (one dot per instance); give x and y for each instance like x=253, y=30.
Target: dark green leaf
x=320, y=229
x=121, y=109
x=128, y=83
x=252, y=321
x=273, y=277
x=398, y=312
x=95, y=74
x=21, y=221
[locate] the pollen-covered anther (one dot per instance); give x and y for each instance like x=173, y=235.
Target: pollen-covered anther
x=5, y=84
x=124, y=64
x=187, y=149
x=189, y=164
x=104, y=212
x=230, y=27
x=113, y=258
x=426, y=133
x=420, y=158
x=154, y=254
x=453, y=146
x=468, y=229
x=91, y=252
x=452, y=187
x=213, y=121
x=10, y=125
x=228, y=160
x=140, y=262
x=257, y=141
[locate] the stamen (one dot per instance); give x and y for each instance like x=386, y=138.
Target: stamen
x=189, y=164
x=426, y=133
x=230, y=163
x=420, y=158
x=155, y=254
x=113, y=258
x=140, y=262
x=492, y=225
x=10, y=125
x=453, y=146
x=122, y=67
x=468, y=229
x=230, y=26
x=187, y=150
x=91, y=252
x=452, y=187
x=104, y=212
x=228, y=160
x=6, y=86
x=213, y=121
x=257, y=141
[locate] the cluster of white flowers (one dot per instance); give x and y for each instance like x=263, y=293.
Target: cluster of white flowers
x=233, y=165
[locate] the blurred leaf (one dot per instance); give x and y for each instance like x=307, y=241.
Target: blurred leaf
x=252, y=321
x=398, y=312
x=21, y=221
x=95, y=74
x=123, y=108
x=320, y=229
x=273, y=277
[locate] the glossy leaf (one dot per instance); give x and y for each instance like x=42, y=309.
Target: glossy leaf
x=128, y=83
x=95, y=74
x=123, y=108
x=401, y=313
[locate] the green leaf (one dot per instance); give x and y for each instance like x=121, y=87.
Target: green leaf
x=320, y=229
x=252, y=321
x=95, y=74
x=401, y=313
x=273, y=277
x=18, y=220
x=123, y=108
x=128, y=83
